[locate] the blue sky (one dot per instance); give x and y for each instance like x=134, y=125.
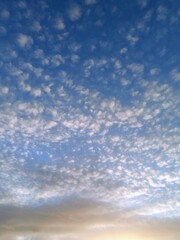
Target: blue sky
x=89, y=117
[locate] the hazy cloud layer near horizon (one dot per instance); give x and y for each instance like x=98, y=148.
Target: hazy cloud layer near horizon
x=82, y=218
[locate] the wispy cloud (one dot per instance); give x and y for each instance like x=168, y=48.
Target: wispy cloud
x=90, y=2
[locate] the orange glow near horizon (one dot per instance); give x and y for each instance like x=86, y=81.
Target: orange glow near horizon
x=117, y=235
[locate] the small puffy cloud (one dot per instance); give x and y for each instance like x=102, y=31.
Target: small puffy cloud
x=24, y=87
x=75, y=47
x=14, y=71
x=45, y=61
x=75, y=58
x=115, y=138
x=59, y=24
x=162, y=13
x=5, y=14
x=175, y=74
x=132, y=39
x=39, y=53
x=99, y=23
x=4, y=90
x=36, y=92
x=57, y=60
x=142, y=3
x=22, y=4
x=37, y=71
x=117, y=64
x=74, y=12
x=123, y=50
x=47, y=89
x=154, y=71
x=101, y=62
x=51, y=125
x=136, y=67
x=24, y=40
x=2, y=30
x=125, y=82
x=36, y=26
x=90, y=2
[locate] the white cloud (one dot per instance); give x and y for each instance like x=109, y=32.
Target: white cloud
x=75, y=58
x=142, y=3
x=36, y=26
x=57, y=60
x=24, y=87
x=12, y=53
x=5, y=14
x=60, y=24
x=74, y=12
x=4, y=90
x=88, y=66
x=2, y=30
x=75, y=46
x=37, y=71
x=28, y=66
x=132, y=39
x=36, y=92
x=47, y=89
x=136, y=67
x=99, y=23
x=125, y=82
x=51, y=125
x=90, y=2
x=175, y=73
x=115, y=138
x=162, y=13
x=39, y=53
x=14, y=71
x=24, y=40
x=22, y=4
x=45, y=61
x=154, y=71
x=148, y=16
x=117, y=64
x=123, y=50
x=101, y=62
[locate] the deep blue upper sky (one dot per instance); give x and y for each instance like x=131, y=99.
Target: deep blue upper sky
x=89, y=94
